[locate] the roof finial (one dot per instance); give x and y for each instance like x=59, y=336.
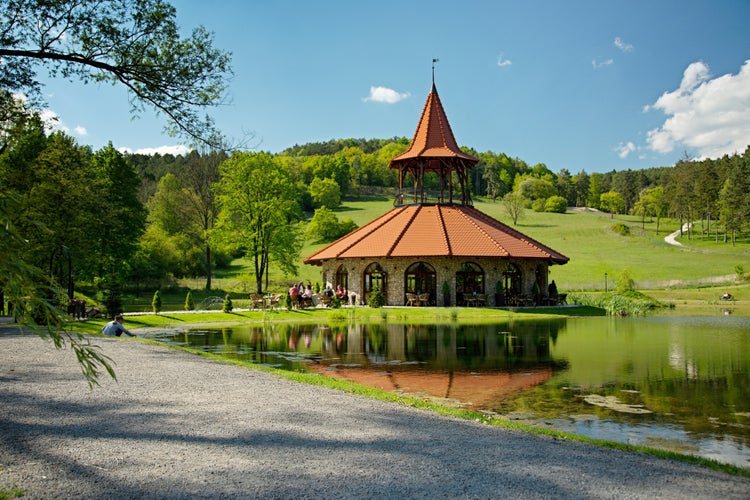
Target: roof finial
x=434, y=60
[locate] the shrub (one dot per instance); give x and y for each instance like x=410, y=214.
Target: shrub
x=156, y=302
x=621, y=229
x=556, y=204
x=189, y=303
x=227, y=308
x=625, y=282
x=538, y=205
x=739, y=270
x=376, y=299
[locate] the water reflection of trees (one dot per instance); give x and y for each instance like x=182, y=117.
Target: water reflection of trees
x=443, y=347
x=430, y=347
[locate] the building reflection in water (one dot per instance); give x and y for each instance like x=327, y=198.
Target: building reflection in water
x=468, y=365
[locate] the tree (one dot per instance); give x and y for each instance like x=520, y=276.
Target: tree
x=28, y=288
x=734, y=201
x=652, y=202
x=325, y=226
x=257, y=199
x=325, y=193
x=595, y=190
x=198, y=176
x=679, y=192
x=513, y=204
x=612, y=202
x=120, y=216
x=135, y=43
x=533, y=188
x=582, y=183
x=565, y=187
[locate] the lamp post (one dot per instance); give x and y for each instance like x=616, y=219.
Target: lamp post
x=605, y=282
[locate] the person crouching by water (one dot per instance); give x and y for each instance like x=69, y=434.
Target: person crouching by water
x=115, y=327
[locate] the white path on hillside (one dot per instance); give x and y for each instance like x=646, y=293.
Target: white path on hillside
x=671, y=239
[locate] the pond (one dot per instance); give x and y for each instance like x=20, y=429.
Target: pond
x=676, y=383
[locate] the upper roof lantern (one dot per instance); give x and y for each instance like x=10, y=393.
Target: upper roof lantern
x=434, y=150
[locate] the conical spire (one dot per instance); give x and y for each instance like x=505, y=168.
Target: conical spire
x=433, y=137
x=434, y=150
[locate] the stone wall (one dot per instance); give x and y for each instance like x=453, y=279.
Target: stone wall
x=445, y=269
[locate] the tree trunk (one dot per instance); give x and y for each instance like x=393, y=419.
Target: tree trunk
x=209, y=271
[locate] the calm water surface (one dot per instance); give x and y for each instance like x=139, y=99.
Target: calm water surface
x=677, y=383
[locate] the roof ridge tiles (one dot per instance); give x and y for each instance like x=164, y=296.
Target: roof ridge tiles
x=403, y=230
x=520, y=236
x=446, y=238
x=366, y=231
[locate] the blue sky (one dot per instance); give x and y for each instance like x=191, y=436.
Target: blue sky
x=582, y=85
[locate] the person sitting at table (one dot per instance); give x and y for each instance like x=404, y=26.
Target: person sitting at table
x=294, y=295
x=341, y=294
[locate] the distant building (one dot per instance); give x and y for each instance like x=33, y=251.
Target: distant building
x=435, y=236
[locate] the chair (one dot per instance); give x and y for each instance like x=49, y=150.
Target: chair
x=274, y=301
x=325, y=300
x=423, y=299
x=562, y=298
x=470, y=299
x=411, y=299
x=257, y=301
x=481, y=299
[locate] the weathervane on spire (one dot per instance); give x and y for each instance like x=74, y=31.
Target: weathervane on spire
x=434, y=60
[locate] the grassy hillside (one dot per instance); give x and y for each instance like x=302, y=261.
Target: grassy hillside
x=586, y=237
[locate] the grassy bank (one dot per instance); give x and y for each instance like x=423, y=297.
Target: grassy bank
x=414, y=315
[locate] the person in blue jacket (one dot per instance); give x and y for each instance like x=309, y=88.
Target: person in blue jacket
x=115, y=327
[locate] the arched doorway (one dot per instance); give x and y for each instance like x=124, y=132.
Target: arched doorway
x=469, y=283
x=512, y=280
x=375, y=279
x=420, y=279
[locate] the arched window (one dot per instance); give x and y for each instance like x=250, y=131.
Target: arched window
x=375, y=279
x=420, y=279
x=470, y=281
x=342, y=278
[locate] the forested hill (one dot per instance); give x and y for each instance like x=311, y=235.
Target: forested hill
x=337, y=145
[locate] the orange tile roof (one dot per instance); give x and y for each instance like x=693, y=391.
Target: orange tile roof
x=435, y=231
x=433, y=137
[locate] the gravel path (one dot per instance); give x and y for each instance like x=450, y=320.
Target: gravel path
x=176, y=425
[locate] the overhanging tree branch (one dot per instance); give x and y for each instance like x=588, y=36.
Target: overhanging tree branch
x=131, y=42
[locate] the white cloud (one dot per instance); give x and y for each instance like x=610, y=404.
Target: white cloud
x=81, y=131
x=384, y=94
x=600, y=64
x=179, y=149
x=624, y=150
x=503, y=62
x=622, y=45
x=51, y=121
x=711, y=116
